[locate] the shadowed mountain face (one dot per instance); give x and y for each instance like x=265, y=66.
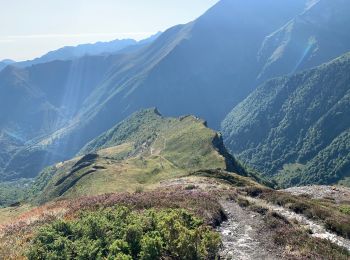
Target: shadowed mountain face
x=204, y=68
x=297, y=128
x=40, y=99
x=310, y=39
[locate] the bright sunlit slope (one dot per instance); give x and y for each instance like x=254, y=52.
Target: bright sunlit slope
x=139, y=152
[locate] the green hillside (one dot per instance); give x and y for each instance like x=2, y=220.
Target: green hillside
x=297, y=128
x=138, y=153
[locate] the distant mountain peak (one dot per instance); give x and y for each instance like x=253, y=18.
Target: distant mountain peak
x=7, y=61
x=88, y=49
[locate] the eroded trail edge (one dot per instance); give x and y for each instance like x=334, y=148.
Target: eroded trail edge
x=316, y=229
x=244, y=236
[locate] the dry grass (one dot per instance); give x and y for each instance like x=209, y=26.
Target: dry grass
x=325, y=211
x=10, y=213
x=299, y=244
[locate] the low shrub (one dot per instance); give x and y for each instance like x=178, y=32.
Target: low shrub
x=298, y=207
x=339, y=227
x=121, y=233
x=259, y=209
x=253, y=191
x=272, y=215
x=345, y=209
x=243, y=202
x=190, y=187
x=139, y=189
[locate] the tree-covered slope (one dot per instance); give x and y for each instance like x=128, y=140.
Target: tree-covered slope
x=297, y=127
x=141, y=151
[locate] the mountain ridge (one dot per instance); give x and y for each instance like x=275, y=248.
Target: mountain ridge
x=201, y=68
x=142, y=150
x=87, y=49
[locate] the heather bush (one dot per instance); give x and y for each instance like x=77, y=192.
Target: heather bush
x=121, y=233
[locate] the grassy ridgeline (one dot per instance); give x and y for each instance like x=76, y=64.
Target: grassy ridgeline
x=139, y=153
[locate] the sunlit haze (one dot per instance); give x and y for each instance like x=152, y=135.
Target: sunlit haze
x=33, y=27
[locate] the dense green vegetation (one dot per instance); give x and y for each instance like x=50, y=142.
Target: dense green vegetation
x=20, y=234
x=297, y=127
x=121, y=233
x=41, y=181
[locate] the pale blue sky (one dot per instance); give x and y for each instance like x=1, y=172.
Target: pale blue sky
x=30, y=28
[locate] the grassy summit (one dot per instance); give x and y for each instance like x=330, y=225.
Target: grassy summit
x=137, y=154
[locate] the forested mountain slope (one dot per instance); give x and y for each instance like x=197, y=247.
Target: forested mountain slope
x=297, y=127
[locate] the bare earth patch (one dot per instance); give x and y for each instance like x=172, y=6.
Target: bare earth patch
x=245, y=236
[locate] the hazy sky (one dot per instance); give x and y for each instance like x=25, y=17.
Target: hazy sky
x=30, y=28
